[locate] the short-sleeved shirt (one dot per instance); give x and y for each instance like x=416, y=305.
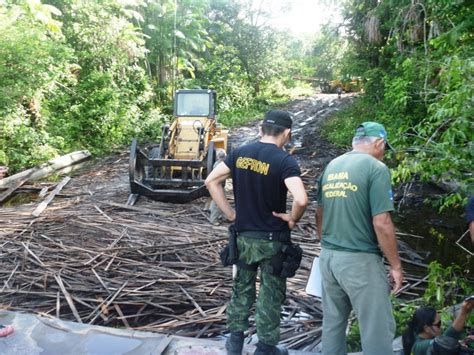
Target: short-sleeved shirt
x=258, y=173
x=353, y=188
x=421, y=345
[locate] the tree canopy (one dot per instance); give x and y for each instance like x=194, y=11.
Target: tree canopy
x=416, y=59
x=82, y=74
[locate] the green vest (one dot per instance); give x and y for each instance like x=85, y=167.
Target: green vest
x=352, y=189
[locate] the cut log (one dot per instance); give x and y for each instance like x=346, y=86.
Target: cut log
x=16, y=184
x=41, y=207
x=47, y=168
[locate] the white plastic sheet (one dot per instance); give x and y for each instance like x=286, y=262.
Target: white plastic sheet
x=313, y=287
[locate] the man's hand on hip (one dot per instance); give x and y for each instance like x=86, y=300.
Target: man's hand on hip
x=287, y=218
x=231, y=217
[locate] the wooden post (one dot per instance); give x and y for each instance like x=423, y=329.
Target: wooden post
x=42, y=206
x=46, y=169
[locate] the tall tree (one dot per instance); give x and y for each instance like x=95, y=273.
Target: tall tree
x=175, y=38
x=238, y=24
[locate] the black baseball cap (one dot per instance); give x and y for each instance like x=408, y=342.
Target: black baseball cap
x=278, y=118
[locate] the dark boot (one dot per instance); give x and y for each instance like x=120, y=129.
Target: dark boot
x=235, y=343
x=264, y=349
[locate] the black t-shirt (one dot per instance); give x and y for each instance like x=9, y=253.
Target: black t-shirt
x=258, y=172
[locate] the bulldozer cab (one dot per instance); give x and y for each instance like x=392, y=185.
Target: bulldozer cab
x=175, y=170
x=195, y=103
x=194, y=125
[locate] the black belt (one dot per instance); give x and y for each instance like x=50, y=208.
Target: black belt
x=280, y=236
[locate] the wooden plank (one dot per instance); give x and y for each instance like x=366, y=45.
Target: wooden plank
x=5, y=284
x=32, y=254
x=68, y=297
x=132, y=199
x=136, y=209
x=194, y=302
x=122, y=317
x=11, y=190
x=47, y=168
x=42, y=206
x=97, y=310
x=103, y=213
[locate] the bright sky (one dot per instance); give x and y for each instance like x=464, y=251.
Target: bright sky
x=305, y=16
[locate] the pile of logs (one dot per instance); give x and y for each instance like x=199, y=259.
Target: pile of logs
x=91, y=258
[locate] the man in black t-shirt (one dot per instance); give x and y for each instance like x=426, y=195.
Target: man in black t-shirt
x=262, y=174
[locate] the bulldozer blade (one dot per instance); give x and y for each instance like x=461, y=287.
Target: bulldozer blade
x=170, y=195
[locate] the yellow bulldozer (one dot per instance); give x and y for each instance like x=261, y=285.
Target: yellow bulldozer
x=176, y=168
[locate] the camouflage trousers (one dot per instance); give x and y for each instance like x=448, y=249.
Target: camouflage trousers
x=271, y=294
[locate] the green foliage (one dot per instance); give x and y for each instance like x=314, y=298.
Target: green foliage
x=30, y=58
x=175, y=36
x=446, y=285
x=340, y=128
x=21, y=143
x=328, y=52
x=73, y=84
x=106, y=100
x=33, y=57
x=415, y=59
x=223, y=72
x=241, y=116
x=77, y=74
x=353, y=337
x=237, y=25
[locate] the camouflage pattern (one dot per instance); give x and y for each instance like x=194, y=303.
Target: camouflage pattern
x=271, y=295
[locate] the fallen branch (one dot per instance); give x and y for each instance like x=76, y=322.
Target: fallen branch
x=42, y=206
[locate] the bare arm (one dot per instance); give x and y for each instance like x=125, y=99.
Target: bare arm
x=214, y=185
x=460, y=321
x=385, y=231
x=319, y=222
x=300, y=201
x=300, y=198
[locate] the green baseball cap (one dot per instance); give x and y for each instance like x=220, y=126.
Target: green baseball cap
x=373, y=129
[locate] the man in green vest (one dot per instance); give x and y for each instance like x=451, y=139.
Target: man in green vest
x=354, y=205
